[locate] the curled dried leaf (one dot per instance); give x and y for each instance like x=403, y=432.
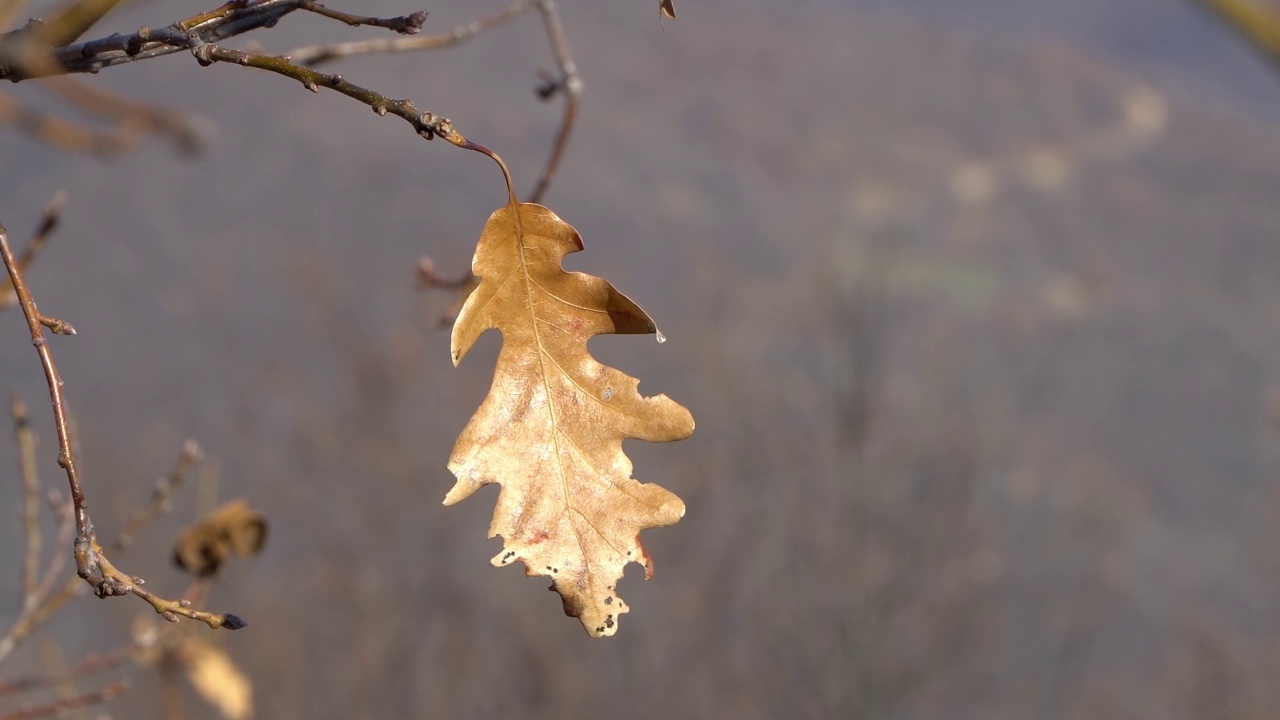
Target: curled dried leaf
x=551, y=429
x=216, y=677
x=208, y=667
x=668, y=9
x=232, y=529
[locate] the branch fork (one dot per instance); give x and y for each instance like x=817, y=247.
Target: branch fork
x=92, y=564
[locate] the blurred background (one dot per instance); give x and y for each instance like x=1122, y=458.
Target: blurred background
x=974, y=302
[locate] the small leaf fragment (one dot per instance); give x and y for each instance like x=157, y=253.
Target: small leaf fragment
x=550, y=430
x=668, y=9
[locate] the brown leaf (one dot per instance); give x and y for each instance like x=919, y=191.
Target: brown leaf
x=551, y=429
x=216, y=678
x=668, y=9
x=232, y=529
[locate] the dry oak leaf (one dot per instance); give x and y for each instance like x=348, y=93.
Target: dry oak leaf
x=551, y=429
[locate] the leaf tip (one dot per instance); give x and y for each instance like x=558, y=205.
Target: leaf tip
x=689, y=424
x=454, y=496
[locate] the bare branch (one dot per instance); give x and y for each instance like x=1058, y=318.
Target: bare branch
x=48, y=223
x=23, y=55
x=427, y=124
x=26, y=442
x=67, y=135
x=568, y=84
x=74, y=21
x=405, y=25
x=36, y=323
x=313, y=55
x=186, y=134
x=65, y=515
x=92, y=564
x=55, y=665
x=162, y=495
x=45, y=605
x=62, y=706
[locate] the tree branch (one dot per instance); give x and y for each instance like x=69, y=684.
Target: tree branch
x=569, y=85
x=24, y=54
x=60, y=707
x=405, y=25
x=313, y=55
x=46, y=604
x=186, y=134
x=92, y=564
x=48, y=223
x=26, y=442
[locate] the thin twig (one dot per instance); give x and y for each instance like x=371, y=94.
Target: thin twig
x=48, y=223
x=46, y=604
x=96, y=662
x=405, y=24
x=49, y=602
x=60, y=707
x=36, y=324
x=65, y=516
x=92, y=564
x=569, y=84
x=162, y=495
x=68, y=135
x=313, y=55
x=186, y=134
x=37, y=610
x=56, y=666
x=427, y=124
x=23, y=56
x=25, y=439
